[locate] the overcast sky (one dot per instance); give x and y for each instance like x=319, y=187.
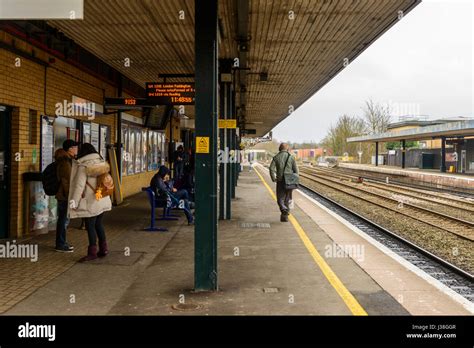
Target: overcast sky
x=422, y=65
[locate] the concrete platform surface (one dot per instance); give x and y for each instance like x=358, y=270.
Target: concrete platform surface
x=265, y=268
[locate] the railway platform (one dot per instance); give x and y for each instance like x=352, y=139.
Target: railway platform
x=265, y=267
x=426, y=177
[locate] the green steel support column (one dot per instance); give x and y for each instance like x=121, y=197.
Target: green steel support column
x=376, y=153
x=228, y=115
x=443, y=155
x=403, y=153
x=233, y=165
x=233, y=141
x=239, y=168
x=221, y=163
x=119, y=150
x=205, y=239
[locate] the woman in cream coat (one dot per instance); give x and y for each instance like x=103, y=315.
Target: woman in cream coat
x=82, y=198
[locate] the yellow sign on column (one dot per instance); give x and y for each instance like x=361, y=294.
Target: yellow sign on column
x=202, y=144
x=222, y=123
x=232, y=123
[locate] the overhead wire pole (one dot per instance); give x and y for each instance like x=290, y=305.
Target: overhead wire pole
x=206, y=51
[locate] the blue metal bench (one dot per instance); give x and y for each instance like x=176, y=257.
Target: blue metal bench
x=152, y=200
x=167, y=204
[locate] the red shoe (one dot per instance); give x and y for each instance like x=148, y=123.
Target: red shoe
x=103, y=249
x=91, y=254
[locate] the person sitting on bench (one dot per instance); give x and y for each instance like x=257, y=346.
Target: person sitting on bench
x=159, y=186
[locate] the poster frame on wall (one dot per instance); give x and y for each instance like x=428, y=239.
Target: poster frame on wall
x=47, y=123
x=103, y=142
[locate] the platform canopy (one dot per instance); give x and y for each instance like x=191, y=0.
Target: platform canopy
x=450, y=129
x=287, y=50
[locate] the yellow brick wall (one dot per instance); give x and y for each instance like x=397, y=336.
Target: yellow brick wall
x=132, y=184
x=23, y=88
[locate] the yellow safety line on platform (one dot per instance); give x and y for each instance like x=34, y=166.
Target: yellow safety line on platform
x=333, y=279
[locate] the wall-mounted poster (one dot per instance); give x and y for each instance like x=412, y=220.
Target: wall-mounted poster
x=144, y=150
x=104, y=140
x=86, y=132
x=131, y=152
x=95, y=135
x=451, y=157
x=64, y=128
x=47, y=141
x=138, y=147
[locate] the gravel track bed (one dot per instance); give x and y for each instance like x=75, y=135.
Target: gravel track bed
x=450, y=247
x=438, y=207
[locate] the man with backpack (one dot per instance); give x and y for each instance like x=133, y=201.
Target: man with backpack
x=284, y=171
x=64, y=159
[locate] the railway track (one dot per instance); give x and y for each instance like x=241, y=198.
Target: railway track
x=453, y=225
x=435, y=197
x=400, y=180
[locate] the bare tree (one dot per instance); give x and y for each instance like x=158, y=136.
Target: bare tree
x=345, y=127
x=376, y=120
x=376, y=117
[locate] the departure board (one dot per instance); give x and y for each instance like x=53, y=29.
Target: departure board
x=170, y=93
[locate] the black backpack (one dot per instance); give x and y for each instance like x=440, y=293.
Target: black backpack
x=50, y=179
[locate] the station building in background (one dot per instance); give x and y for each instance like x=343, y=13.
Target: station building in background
x=53, y=90
x=445, y=144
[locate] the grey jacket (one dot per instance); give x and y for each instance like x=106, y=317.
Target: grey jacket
x=276, y=167
x=87, y=168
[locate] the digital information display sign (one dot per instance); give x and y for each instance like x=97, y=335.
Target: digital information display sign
x=170, y=93
x=126, y=103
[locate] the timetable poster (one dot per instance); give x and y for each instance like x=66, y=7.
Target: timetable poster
x=47, y=141
x=103, y=141
x=95, y=135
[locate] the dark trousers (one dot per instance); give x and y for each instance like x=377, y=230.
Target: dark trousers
x=178, y=169
x=62, y=224
x=183, y=197
x=283, y=197
x=95, y=229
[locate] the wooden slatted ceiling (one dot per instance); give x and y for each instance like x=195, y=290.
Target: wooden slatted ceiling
x=300, y=55
x=148, y=32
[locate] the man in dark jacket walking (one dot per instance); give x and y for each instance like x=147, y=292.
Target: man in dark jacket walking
x=283, y=163
x=64, y=159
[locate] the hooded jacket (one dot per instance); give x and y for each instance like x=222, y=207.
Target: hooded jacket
x=278, y=162
x=87, y=169
x=63, y=172
x=157, y=183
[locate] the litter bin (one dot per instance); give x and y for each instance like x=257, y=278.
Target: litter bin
x=40, y=210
